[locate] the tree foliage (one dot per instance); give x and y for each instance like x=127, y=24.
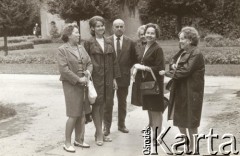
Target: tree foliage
x=224, y=19
x=177, y=8
x=76, y=10
x=16, y=16
x=209, y=16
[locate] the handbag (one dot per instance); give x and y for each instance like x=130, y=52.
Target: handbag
x=150, y=87
x=92, y=93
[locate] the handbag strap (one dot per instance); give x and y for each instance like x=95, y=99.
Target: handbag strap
x=153, y=75
x=90, y=77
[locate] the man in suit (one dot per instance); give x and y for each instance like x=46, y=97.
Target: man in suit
x=125, y=51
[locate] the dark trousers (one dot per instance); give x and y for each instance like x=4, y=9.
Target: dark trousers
x=122, y=93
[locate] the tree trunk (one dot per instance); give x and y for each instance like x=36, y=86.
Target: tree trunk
x=5, y=40
x=179, y=23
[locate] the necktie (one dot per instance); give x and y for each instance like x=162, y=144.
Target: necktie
x=118, y=46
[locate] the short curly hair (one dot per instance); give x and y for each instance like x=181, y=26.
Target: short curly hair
x=93, y=22
x=155, y=26
x=67, y=31
x=192, y=34
x=141, y=28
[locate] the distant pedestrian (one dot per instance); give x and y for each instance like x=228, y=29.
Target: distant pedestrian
x=74, y=66
x=187, y=70
x=36, y=30
x=54, y=31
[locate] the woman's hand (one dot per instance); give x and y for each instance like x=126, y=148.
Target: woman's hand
x=162, y=72
x=83, y=80
x=87, y=74
x=174, y=66
x=115, y=86
x=133, y=75
x=140, y=66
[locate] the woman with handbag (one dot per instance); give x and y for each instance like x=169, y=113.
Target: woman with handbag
x=74, y=65
x=105, y=72
x=187, y=70
x=151, y=60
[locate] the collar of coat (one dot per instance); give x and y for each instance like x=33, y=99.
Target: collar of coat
x=69, y=48
x=185, y=54
x=107, y=42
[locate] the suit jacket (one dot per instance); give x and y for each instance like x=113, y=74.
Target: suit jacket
x=71, y=69
x=69, y=66
x=126, y=59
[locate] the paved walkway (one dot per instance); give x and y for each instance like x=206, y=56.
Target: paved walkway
x=44, y=135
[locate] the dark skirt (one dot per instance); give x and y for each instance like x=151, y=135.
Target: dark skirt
x=148, y=102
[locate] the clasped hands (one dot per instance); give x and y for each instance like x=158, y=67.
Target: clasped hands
x=163, y=72
x=84, y=80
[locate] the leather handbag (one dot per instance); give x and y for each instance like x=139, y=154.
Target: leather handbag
x=150, y=87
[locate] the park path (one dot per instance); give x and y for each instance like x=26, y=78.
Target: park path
x=38, y=128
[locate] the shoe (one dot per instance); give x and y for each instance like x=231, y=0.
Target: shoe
x=88, y=118
x=123, y=129
x=107, y=139
x=106, y=131
x=69, y=149
x=83, y=145
x=99, y=143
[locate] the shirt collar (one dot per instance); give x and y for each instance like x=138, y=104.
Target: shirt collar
x=115, y=37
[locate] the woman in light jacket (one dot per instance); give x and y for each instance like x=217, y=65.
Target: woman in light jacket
x=74, y=65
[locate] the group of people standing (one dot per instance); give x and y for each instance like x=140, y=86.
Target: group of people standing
x=109, y=60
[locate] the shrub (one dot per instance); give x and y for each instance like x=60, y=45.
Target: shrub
x=213, y=55
x=6, y=112
x=16, y=40
x=40, y=40
x=226, y=55
x=27, y=59
x=18, y=46
x=213, y=37
x=226, y=42
x=215, y=40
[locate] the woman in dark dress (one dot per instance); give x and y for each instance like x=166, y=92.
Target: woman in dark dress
x=152, y=59
x=105, y=72
x=187, y=70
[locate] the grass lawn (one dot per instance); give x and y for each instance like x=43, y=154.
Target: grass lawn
x=50, y=50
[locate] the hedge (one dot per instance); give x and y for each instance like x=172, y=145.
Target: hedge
x=16, y=40
x=40, y=40
x=27, y=59
x=216, y=40
x=18, y=46
x=213, y=55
